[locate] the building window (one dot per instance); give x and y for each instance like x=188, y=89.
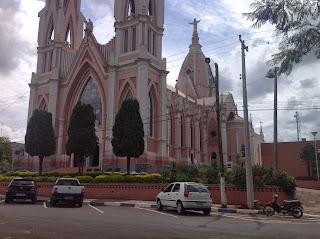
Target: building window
x=170, y=130
x=149, y=43
x=45, y=108
x=153, y=44
x=150, y=9
x=131, y=9
x=91, y=95
x=150, y=116
x=181, y=130
x=214, y=155
x=134, y=32
x=67, y=38
x=51, y=59
x=243, y=151
x=45, y=62
x=51, y=33
x=125, y=48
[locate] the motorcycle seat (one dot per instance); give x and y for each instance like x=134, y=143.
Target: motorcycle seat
x=286, y=202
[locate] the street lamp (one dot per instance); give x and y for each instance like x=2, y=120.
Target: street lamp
x=315, y=150
x=272, y=73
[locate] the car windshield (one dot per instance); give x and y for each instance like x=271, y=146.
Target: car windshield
x=197, y=188
x=19, y=182
x=67, y=182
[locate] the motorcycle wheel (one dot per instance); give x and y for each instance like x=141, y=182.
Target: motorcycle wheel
x=268, y=210
x=297, y=212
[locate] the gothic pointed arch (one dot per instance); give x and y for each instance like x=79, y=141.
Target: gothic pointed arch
x=50, y=36
x=43, y=105
x=90, y=95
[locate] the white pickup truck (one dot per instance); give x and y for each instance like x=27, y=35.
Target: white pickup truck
x=67, y=190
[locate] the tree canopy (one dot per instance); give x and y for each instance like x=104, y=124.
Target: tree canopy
x=81, y=132
x=128, y=132
x=40, y=139
x=299, y=23
x=5, y=152
x=307, y=154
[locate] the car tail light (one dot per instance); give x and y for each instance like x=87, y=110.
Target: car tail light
x=186, y=194
x=82, y=191
x=9, y=187
x=33, y=189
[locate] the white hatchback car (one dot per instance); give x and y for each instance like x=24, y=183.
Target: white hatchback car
x=185, y=196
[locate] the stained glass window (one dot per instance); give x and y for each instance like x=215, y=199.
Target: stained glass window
x=150, y=116
x=91, y=95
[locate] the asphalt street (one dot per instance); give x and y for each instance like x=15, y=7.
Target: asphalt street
x=41, y=220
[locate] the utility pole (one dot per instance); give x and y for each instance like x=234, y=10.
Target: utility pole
x=273, y=74
x=298, y=125
x=222, y=179
x=249, y=180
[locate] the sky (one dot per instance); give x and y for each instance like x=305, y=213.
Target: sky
x=219, y=30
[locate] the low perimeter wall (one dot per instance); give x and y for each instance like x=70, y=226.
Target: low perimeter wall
x=148, y=192
x=308, y=184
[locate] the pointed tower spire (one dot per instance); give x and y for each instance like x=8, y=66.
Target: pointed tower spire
x=195, y=37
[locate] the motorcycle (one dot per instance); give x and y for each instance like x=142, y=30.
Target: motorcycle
x=292, y=207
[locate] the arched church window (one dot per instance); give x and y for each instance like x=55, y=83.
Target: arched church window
x=170, y=129
x=44, y=107
x=51, y=33
x=68, y=35
x=150, y=9
x=131, y=9
x=129, y=95
x=214, y=155
x=91, y=95
x=150, y=116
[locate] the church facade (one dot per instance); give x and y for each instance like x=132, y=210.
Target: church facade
x=179, y=122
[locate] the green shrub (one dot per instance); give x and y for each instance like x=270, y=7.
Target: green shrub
x=93, y=174
x=89, y=169
x=101, y=179
x=190, y=170
x=117, y=169
x=117, y=173
x=182, y=177
x=52, y=179
x=239, y=176
x=165, y=173
x=10, y=173
x=40, y=179
x=143, y=173
x=228, y=177
x=211, y=172
x=67, y=176
x=84, y=179
x=129, y=179
x=7, y=178
x=107, y=173
x=96, y=169
x=109, y=170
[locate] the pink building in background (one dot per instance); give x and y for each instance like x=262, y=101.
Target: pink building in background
x=179, y=122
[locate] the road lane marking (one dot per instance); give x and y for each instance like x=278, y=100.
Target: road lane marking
x=158, y=212
x=95, y=208
x=2, y=200
x=44, y=204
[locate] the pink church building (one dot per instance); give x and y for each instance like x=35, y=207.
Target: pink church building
x=179, y=122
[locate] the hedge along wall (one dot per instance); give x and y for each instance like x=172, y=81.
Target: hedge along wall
x=308, y=184
x=148, y=192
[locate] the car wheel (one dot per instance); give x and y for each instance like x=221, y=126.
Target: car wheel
x=80, y=203
x=6, y=200
x=53, y=202
x=207, y=211
x=159, y=205
x=180, y=207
